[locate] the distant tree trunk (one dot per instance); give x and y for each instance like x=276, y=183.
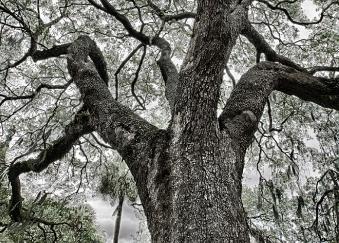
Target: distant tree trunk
x=118, y=217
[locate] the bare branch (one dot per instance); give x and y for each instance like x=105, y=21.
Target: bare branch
x=230, y=75
x=32, y=95
x=315, y=69
x=55, y=51
x=136, y=79
x=73, y=131
x=289, y=17
x=167, y=67
x=121, y=67
x=263, y=47
x=166, y=18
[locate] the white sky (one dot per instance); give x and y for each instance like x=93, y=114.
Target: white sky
x=105, y=220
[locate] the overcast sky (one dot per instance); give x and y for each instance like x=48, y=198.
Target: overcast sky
x=105, y=220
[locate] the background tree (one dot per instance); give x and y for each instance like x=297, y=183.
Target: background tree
x=189, y=173
x=119, y=186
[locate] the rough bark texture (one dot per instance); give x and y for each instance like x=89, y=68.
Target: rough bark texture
x=189, y=175
x=205, y=182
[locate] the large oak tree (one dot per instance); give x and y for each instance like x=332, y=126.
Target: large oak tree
x=189, y=175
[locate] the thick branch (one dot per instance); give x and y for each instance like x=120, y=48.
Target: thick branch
x=245, y=106
x=55, y=51
x=73, y=131
x=133, y=137
x=116, y=124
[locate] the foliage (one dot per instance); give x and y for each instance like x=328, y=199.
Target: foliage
x=46, y=219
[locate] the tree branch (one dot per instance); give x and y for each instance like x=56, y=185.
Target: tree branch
x=244, y=108
x=78, y=127
x=289, y=17
x=55, y=51
x=134, y=138
x=116, y=124
x=170, y=17
x=32, y=95
x=110, y=9
x=263, y=47
x=135, y=50
x=167, y=67
x=315, y=69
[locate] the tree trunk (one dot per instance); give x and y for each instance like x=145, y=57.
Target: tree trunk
x=205, y=166
x=118, y=218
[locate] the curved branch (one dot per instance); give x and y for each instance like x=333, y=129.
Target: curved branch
x=116, y=124
x=121, y=67
x=134, y=138
x=244, y=108
x=263, y=47
x=78, y=127
x=58, y=50
x=110, y=9
x=289, y=17
x=167, y=67
x=136, y=79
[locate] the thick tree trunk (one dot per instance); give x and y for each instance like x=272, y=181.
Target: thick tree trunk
x=205, y=165
x=206, y=197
